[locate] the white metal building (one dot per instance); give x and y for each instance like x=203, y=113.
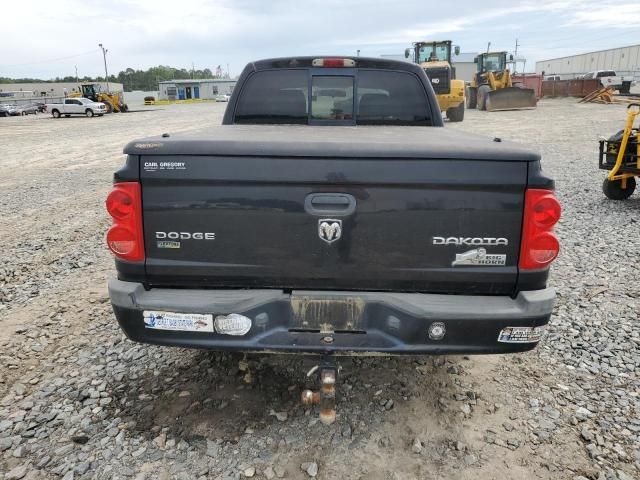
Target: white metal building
x=624, y=60
x=42, y=89
x=465, y=66
x=195, y=88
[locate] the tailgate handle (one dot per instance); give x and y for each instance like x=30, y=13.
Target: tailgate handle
x=330, y=204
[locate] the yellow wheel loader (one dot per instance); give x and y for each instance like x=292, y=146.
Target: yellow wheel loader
x=114, y=101
x=492, y=88
x=435, y=58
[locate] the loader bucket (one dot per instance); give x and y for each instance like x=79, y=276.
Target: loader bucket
x=511, y=98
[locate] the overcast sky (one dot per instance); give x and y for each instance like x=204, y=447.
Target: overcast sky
x=48, y=38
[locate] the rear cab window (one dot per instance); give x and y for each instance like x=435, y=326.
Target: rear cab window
x=348, y=96
x=332, y=97
x=274, y=96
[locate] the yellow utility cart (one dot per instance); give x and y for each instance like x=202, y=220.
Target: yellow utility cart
x=620, y=154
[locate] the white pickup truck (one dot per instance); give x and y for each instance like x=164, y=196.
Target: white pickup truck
x=608, y=78
x=77, y=106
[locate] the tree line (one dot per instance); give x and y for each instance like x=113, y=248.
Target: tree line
x=131, y=79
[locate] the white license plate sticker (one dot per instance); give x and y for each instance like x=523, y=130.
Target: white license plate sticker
x=183, y=322
x=520, y=334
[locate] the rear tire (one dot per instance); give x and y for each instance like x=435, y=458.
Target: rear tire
x=88, y=112
x=483, y=91
x=124, y=108
x=55, y=113
x=456, y=114
x=613, y=188
x=472, y=97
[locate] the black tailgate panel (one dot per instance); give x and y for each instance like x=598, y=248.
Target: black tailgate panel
x=265, y=238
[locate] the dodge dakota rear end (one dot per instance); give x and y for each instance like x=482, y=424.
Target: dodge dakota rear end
x=332, y=213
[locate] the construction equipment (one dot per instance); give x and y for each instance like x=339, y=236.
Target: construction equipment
x=435, y=58
x=492, y=88
x=602, y=95
x=114, y=101
x=606, y=95
x=620, y=154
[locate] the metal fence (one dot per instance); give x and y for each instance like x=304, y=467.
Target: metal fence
x=30, y=100
x=569, y=88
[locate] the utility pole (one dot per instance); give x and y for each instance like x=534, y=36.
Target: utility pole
x=193, y=70
x=515, y=58
x=228, y=74
x=104, y=56
x=358, y=53
x=77, y=81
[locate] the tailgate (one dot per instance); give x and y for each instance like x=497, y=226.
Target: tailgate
x=350, y=224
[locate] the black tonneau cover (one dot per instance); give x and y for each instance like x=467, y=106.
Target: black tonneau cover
x=333, y=142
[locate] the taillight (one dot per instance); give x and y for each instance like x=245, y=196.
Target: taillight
x=539, y=246
x=333, y=62
x=125, y=238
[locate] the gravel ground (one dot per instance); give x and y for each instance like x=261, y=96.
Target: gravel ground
x=79, y=401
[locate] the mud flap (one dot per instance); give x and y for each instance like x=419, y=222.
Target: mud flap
x=512, y=98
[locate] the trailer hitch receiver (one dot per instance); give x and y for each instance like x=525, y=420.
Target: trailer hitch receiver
x=326, y=396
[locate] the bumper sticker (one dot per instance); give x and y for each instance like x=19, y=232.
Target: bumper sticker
x=520, y=334
x=184, y=322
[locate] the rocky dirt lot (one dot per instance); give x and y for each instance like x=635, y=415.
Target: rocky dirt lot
x=79, y=401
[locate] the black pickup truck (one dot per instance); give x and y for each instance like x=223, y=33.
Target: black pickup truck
x=333, y=213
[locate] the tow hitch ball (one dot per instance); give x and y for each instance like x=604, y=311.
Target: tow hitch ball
x=326, y=396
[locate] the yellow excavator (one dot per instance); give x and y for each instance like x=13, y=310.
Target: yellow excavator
x=492, y=88
x=114, y=101
x=435, y=58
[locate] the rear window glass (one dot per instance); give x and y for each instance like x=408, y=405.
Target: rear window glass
x=391, y=98
x=374, y=97
x=332, y=98
x=274, y=96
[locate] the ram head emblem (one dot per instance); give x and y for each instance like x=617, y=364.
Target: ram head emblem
x=329, y=229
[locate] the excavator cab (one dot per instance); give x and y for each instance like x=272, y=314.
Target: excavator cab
x=435, y=58
x=492, y=62
x=492, y=88
x=90, y=91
